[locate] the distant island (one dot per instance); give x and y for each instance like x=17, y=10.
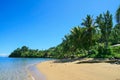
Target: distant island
x=94, y=38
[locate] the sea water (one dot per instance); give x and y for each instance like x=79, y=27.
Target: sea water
x=18, y=68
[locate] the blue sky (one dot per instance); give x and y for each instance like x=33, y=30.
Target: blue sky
x=40, y=24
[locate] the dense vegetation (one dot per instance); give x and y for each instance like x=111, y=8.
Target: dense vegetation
x=93, y=38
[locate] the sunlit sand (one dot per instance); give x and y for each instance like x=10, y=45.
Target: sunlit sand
x=79, y=71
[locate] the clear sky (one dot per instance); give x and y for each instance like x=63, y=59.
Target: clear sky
x=41, y=24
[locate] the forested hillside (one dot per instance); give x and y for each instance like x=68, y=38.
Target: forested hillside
x=93, y=38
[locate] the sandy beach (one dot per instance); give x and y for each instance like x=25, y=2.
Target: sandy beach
x=79, y=71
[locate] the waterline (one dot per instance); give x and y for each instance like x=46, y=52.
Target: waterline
x=36, y=75
x=18, y=68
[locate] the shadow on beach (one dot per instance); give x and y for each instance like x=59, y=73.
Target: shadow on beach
x=89, y=60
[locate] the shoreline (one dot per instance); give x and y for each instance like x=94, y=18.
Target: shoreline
x=34, y=72
x=75, y=70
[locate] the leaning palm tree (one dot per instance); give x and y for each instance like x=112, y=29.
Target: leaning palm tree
x=76, y=37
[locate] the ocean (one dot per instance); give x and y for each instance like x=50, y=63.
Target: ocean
x=18, y=68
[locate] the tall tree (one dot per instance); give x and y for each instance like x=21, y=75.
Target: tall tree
x=118, y=15
x=104, y=22
x=116, y=30
x=89, y=31
x=116, y=34
x=76, y=37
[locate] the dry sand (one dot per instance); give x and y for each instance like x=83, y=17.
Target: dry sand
x=83, y=71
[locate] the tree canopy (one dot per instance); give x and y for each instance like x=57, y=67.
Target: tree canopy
x=93, y=38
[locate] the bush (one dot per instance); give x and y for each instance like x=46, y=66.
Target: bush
x=104, y=52
x=92, y=53
x=116, y=51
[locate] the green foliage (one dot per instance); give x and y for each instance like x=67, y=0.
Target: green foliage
x=116, y=51
x=104, y=52
x=115, y=35
x=89, y=32
x=105, y=24
x=92, y=53
x=118, y=15
x=26, y=52
x=92, y=39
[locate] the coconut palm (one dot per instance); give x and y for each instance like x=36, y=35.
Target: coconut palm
x=116, y=30
x=76, y=36
x=104, y=22
x=88, y=32
x=116, y=34
x=118, y=15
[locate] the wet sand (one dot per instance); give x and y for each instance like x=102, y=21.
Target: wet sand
x=35, y=74
x=79, y=71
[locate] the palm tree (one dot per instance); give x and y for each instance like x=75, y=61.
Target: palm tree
x=89, y=31
x=104, y=22
x=72, y=42
x=116, y=30
x=76, y=37
x=116, y=34
x=118, y=15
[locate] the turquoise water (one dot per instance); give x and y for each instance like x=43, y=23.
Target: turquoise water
x=18, y=68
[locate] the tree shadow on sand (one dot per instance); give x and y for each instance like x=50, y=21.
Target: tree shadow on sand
x=67, y=60
x=89, y=60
